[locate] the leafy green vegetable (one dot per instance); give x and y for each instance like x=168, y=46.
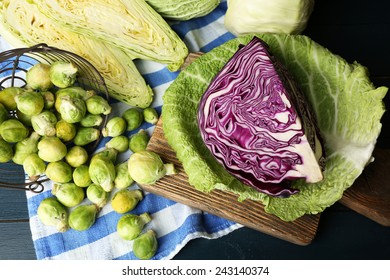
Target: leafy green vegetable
x=6, y=151
x=347, y=105
x=63, y=74
x=12, y=130
x=52, y=213
x=264, y=136
x=21, y=24
x=145, y=245
x=97, y=195
x=130, y=226
x=83, y=216
x=26, y=147
x=102, y=172
x=33, y=165
x=38, y=78
x=258, y=16
x=183, y=10
x=133, y=26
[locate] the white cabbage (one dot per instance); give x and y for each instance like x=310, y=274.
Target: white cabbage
x=261, y=16
x=131, y=25
x=183, y=9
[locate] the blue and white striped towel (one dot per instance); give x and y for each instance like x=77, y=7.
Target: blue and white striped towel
x=174, y=223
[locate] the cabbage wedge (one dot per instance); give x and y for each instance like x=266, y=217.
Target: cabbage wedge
x=131, y=25
x=183, y=9
x=21, y=24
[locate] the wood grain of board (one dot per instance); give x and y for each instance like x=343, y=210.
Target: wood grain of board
x=224, y=204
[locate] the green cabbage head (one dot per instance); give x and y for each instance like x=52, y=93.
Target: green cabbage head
x=131, y=25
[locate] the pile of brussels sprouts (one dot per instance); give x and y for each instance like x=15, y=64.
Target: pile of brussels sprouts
x=53, y=121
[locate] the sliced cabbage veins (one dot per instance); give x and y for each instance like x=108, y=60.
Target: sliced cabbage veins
x=256, y=123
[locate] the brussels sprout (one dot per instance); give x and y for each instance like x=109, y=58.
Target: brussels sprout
x=97, y=195
x=7, y=97
x=98, y=105
x=72, y=109
x=83, y=217
x=6, y=151
x=122, y=178
x=37, y=77
x=139, y=141
x=69, y=194
x=81, y=176
x=133, y=117
x=125, y=200
x=114, y=127
x=86, y=135
x=52, y=213
x=44, y=123
x=51, y=149
x=48, y=99
x=146, y=167
x=74, y=92
x=33, y=165
x=30, y=102
x=23, y=118
x=150, y=115
x=59, y=172
x=102, y=172
x=13, y=130
x=76, y=156
x=91, y=120
x=119, y=143
x=63, y=74
x=107, y=154
x=4, y=114
x=24, y=148
x=65, y=131
x=130, y=226
x=145, y=246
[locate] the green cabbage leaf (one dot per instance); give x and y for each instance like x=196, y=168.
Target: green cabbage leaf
x=347, y=104
x=183, y=9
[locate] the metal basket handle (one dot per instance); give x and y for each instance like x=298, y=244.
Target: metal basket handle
x=33, y=186
x=11, y=53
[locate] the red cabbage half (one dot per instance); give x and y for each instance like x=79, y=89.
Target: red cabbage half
x=256, y=122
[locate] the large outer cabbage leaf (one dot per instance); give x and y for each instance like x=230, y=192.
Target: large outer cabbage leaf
x=22, y=25
x=183, y=9
x=347, y=105
x=131, y=25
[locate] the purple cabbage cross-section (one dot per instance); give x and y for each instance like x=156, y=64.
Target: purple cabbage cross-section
x=256, y=122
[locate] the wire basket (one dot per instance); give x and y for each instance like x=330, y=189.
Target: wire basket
x=13, y=67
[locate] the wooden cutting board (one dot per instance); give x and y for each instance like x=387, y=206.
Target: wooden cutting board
x=224, y=204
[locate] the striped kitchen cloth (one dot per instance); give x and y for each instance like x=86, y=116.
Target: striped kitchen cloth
x=175, y=224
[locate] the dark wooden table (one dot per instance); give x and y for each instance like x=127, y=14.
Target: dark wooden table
x=356, y=30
